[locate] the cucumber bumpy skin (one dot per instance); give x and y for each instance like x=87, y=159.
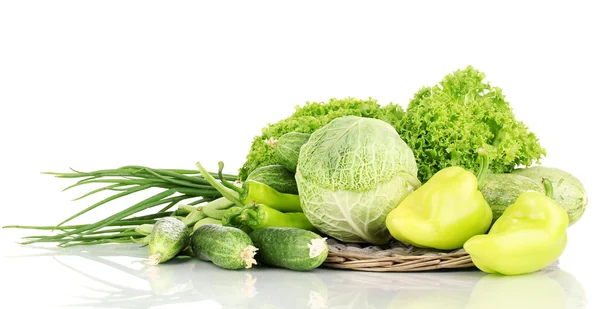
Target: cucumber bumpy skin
x=169, y=237
x=287, y=149
x=290, y=248
x=276, y=177
x=226, y=247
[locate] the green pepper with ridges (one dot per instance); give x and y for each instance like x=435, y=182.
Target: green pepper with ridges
x=530, y=235
x=445, y=211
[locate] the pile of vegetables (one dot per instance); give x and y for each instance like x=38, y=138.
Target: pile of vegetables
x=453, y=170
x=444, y=125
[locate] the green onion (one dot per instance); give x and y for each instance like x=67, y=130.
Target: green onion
x=177, y=186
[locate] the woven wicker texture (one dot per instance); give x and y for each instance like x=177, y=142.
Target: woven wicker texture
x=393, y=257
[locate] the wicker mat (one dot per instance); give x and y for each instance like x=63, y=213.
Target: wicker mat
x=393, y=257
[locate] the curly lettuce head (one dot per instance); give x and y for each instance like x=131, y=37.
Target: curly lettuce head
x=447, y=123
x=444, y=125
x=351, y=173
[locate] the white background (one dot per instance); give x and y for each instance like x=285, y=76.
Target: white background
x=102, y=84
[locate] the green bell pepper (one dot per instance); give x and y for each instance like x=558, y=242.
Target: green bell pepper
x=444, y=212
x=530, y=235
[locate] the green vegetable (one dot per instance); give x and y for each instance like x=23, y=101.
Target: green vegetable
x=131, y=179
x=173, y=186
x=530, y=235
x=502, y=190
x=217, y=208
x=257, y=216
x=287, y=149
x=289, y=248
x=351, y=174
x=192, y=217
x=309, y=118
x=184, y=209
x=273, y=185
x=227, y=247
x=254, y=192
x=206, y=221
x=169, y=237
x=211, y=212
x=145, y=229
x=441, y=125
x=275, y=176
x=262, y=194
x=569, y=192
x=445, y=124
x=444, y=212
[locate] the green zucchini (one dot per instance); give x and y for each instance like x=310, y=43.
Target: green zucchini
x=568, y=191
x=226, y=247
x=501, y=190
x=169, y=237
x=276, y=177
x=288, y=147
x=289, y=248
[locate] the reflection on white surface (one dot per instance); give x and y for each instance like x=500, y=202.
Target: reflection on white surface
x=187, y=281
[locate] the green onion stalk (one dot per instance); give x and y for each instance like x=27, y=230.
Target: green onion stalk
x=182, y=192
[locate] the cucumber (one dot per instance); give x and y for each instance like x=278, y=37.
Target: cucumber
x=501, y=191
x=568, y=191
x=276, y=177
x=226, y=247
x=169, y=236
x=288, y=149
x=289, y=248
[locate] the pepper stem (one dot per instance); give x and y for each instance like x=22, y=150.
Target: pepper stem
x=484, y=163
x=548, y=187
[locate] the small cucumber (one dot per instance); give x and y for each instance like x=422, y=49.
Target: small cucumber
x=169, y=237
x=289, y=248
x=227, y=247
x=288, y=149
